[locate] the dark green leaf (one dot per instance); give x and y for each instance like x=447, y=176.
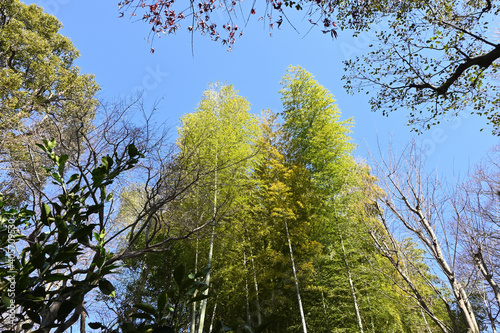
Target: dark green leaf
x=107, y=162
x=63, y=232
x=203, y=273
x=75, y=188
x=39, y=291
x=108, y=269
x=57, y=208
x=73, y=178
x=128, y=328
x=179, y=274
x=6, y=300
x=26, y=326
x=96, y=326
x=34, y=317
x=106, y=287
x=67, y=255
x=198, y=298
x=62, y=163
x=200, y=285
x=41, y=146
x=98, y=176
x=66, y=308
x=84, y=232
x=142, y=315
x=56, y=277
x=132, y=150
x=38, y=260
x=43, y=236
x=162, y=300
x=45, y=214
x=146, y=308
x=51, y=248
x=94, y=209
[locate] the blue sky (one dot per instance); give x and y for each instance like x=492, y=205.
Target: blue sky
x=115, y=50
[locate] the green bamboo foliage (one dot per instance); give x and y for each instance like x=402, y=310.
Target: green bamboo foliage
x=289, y=248
x=309, y=182
x=221, y=137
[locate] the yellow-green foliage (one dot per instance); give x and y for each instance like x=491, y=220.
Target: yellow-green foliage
x=298, y=172
x=42, y=94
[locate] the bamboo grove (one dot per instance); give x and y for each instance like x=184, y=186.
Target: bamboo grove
x=288, y=248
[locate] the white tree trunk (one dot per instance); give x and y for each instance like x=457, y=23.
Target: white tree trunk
x=213, y=317
x=256, y=285
x=193, y=315
x=247, y=293
x=302, y=316
x=203, y=306
x=351, y=285
x=417, y=201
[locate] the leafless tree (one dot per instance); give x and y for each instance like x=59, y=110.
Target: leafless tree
x=416, y=204
x=164, y=178
x=478, y=223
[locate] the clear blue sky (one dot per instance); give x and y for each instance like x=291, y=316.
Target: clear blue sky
x=115, y=50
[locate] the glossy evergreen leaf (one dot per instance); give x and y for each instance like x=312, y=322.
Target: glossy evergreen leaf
x=142, y=315
x=107, y=287
x=95, y=325
x=148, y=308
x=179, y=273
x=162, y=301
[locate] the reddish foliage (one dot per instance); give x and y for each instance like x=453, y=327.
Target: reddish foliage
x=165, y=16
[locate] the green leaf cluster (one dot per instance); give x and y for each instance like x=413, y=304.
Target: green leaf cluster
x=41, y=251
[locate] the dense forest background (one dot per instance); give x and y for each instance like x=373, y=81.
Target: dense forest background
x=247, y=220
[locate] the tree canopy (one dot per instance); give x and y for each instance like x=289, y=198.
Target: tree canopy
x=434, y=58
x=43, y=94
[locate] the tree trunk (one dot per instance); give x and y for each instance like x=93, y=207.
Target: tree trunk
x=247, y=296
x=256, y=285
x=492, y=317
x=351, y=285
x=213, y=317
x=488, y=276
x=203, y=306
x=193, y=315
x=425, y=321
x=393, y=255
x=83, y=319
x=302, y=316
